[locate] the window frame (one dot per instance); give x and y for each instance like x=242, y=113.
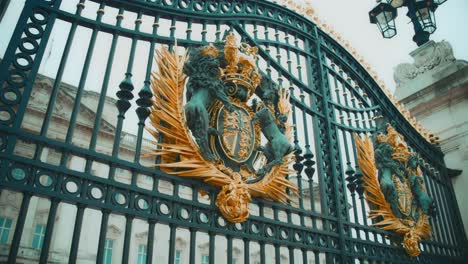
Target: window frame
x=142, y=254
x=108, y=248
x=38, y=236
x=177, y=256
x=5, y=229
x=205, y=259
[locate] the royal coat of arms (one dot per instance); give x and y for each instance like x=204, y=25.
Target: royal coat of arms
x=394, y=188
x=216, y=134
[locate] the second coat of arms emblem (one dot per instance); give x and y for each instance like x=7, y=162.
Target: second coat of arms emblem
x=216, y=135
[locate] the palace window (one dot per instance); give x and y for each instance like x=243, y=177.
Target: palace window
x=5, y=227
x=205, y=259
x=141, y=254
x=108, y=251
x=38, y=239
x=177, y=257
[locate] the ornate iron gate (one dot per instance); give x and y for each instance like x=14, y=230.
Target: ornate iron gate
x=75, y=189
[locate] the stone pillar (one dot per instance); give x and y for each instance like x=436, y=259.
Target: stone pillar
x=435, y=90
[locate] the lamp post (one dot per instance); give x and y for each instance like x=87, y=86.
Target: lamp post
x=421, y=13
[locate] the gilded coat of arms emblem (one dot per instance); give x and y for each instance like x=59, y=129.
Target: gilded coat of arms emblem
x=394, y=188
x=215, y=133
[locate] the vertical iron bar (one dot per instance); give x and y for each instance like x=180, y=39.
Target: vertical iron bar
x=277, y=254
x=48, y=231
x=333, y=146
x=124, y=95
x=150, y=242
x=102, y=236
x=435, y=193
x=310, y=78
x=278, y=235
x=267, y=49
x=444, y=213
x=127, y=238
x=246, y=251
x=193, y=242
x=255, y=30
x=291, y=254
x=229, y=249
x=82, y=83
x=350, y=169
x=15, y=243
x=431, y=191
x=203, y=32
x=172, y=237
x=59, y=75
x=308, y=153
x=212, y=237
x=189, y=30
x=262, y=252
x=451, y=217
x=360, y=193
x=76, y=234
x=261, y=243
x=218, y=31
x=453, y=201
x=172, y=34
x=105, y=85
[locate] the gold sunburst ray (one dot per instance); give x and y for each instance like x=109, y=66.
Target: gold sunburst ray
x=167, y=119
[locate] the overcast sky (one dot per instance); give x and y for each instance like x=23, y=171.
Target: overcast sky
x=350, y=18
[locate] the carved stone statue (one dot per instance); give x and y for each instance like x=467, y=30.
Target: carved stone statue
x=431, y=59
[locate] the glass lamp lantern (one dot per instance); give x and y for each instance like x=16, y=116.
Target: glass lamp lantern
x=421, y=13
x=425, y=13
x=384, y=15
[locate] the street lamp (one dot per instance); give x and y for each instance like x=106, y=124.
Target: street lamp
x=421, y=13
x=384, y=16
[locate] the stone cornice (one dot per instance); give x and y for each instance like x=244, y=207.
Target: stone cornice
x=451, y=97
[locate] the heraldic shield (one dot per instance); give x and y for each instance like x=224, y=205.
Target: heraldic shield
x=236, y=139
x=216, y=135
x=394, y=187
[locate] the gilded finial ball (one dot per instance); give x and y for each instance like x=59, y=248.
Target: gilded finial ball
x=233, y=202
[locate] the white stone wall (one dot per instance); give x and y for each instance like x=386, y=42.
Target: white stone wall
x=435, y=90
